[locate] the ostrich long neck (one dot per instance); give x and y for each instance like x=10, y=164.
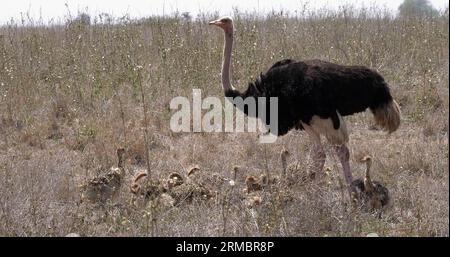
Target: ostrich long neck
x=283, y=163
x=226, y=84
x=120, y=165
x=120, y=162
x=367, y=181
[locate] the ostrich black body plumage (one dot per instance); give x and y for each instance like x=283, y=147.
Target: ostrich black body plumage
x=315, y=87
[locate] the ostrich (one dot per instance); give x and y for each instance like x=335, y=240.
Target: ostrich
x=252, y=184
x=283, y=156
x=175, y=179
x=104, y=187
x=314, y=95
x=144, y=189
x=187, y=192
x=138, y=181
x=266, y=180
x=373, y=194
x=140, y=185
x=252, y=201
x=235, y=171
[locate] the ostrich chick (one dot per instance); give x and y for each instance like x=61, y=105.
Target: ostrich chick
x=174, y=180
x=253, y=200
x=144, y=189
x=253, y=184
x=265, y=180
x=373, y=194
x=185, y=191
x=235, y=171
x=101, y=188
x=291, y=172
x=138, y=182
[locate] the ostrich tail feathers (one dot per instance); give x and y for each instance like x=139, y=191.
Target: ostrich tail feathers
x=388, y=116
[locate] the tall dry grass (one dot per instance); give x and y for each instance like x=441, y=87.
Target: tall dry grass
x=71, y=94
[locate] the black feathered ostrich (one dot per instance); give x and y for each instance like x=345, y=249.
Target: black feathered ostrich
x=313, y=95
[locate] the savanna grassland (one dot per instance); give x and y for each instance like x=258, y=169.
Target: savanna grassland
x=71, y=94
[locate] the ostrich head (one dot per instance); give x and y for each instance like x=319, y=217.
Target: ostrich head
x=368, y=160
x=120, y=152
x=235, y=171
x=284, y=155
x=226, y=23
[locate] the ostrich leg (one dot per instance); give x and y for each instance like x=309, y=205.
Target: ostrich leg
x=317, y=154
x=344, y=156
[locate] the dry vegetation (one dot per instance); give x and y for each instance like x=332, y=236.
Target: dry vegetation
x=71, y=94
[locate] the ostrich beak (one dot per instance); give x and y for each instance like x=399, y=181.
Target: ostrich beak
x=216, y=22
x=366, y=158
